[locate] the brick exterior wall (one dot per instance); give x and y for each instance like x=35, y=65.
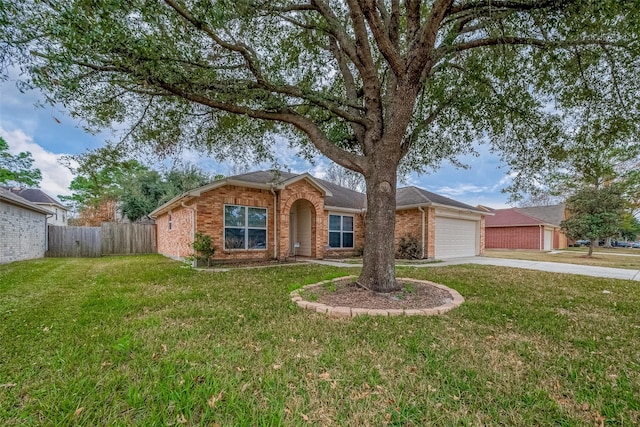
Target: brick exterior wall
x=559, y=239
x=210, y=219
x=302, y=190
x=409, y=222
x=175, y=242
x=513, y=237
x=22, y=233
x=209, y=213
x=522, y=238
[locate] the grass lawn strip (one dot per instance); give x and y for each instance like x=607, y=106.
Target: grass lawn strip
x=143, y=340
x=599, y=259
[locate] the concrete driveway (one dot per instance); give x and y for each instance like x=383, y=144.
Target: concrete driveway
x=554, y=267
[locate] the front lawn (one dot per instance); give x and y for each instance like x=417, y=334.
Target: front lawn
x=600, y=258
x=145, y=341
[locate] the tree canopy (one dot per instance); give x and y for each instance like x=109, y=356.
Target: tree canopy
x=595, y=213
x=107, y=182
x=17, y=169
x=376, y=86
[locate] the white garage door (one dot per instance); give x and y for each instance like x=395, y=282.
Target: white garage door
x=455, y=237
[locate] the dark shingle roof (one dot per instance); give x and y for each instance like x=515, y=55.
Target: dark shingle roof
x=337, y=196
x=553, y=214
x=410, y=196
x=511, y=217
x=35, y=195
x=340, y=197
x=12, y=198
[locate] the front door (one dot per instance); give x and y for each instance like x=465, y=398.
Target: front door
x=301, y=219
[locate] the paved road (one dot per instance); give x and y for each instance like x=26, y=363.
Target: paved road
x=555, y=267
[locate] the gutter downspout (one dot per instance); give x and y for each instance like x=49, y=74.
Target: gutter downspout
x=423, y=213
x=275, y=223
x=46, y=232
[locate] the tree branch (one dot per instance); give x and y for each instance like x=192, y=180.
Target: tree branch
x=243, y=50
x=382, y=37
x=529, y=41
x=422, y=48
x=505, y=4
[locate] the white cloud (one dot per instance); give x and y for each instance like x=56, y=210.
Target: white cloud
x=460, y=189
x=55, y=177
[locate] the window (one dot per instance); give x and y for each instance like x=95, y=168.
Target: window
x=340, y=231
x=170, y=222
x=245, y=227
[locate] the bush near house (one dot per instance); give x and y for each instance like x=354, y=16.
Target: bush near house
x=409, y=247
x=203, y=248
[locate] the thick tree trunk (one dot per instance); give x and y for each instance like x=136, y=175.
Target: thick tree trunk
x=378, y=270
x=591, y=248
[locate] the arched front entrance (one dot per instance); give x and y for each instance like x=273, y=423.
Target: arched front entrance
x=302, y=236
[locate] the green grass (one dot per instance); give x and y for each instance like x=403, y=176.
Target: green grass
x=145, y=341
x=628, y=251
x=600, y=258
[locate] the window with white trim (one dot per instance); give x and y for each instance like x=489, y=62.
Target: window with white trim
x=341, y=231
x=170, y=222
x=245, y=227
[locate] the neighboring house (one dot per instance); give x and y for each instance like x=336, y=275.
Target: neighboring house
x=535, y=228
x=274, y=215
x=42, y=199
x=23, y=228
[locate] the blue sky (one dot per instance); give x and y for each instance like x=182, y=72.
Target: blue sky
x=49, y=132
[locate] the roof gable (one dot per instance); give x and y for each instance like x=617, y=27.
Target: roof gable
x=552, y=214
x=415, y=196
x=35, y=195
x=335, y=195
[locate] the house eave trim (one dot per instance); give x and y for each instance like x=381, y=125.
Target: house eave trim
x=438, y=205
x=28, y=205
x=309, y=178
x=347, y=210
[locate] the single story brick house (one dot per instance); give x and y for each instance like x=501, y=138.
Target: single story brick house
x=23, y=228
x=275, y=215
x=536, y=228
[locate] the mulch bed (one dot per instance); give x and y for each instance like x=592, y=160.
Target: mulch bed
x=346, y=293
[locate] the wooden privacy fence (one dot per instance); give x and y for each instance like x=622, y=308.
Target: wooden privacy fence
x=128, y=238
x=108, y=239
x=73, y=241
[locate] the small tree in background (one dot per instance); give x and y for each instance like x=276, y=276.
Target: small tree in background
x=345, y=178
x=596, y=213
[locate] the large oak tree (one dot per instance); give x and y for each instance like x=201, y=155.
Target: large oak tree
x=374, y=85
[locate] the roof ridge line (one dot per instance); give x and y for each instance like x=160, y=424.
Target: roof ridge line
x=529, y=216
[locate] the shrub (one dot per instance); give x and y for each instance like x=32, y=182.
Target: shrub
x=409, y=247
x=203, y=248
